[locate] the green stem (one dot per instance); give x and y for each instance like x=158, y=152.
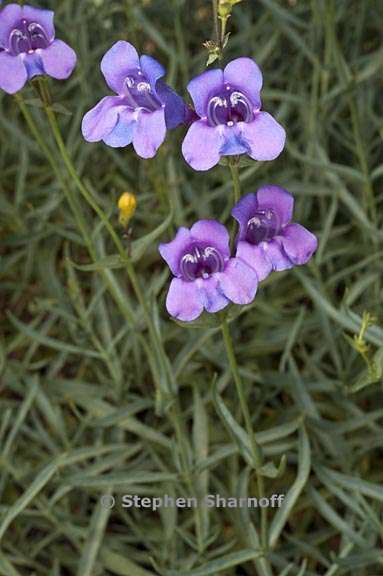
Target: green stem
x=68, y=193
x=220, y=23
x=236, y=183
x=237, y=195
x=72, y=201
x=369, y=199
x=255, y=448
x=216, y=24
x=87, y=195
x=223, y=34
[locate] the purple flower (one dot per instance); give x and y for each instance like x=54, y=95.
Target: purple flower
x=230, y=121
x=28, y=47
x=205, y=275
x=267, y=239
x=143, y=108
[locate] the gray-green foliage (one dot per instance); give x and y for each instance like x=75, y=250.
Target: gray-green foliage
x=80, y=409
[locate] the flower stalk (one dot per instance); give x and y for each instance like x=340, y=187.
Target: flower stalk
x=234, y=171
x=87, y=195
x=256, y=451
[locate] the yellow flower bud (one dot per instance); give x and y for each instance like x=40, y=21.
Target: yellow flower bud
x=225, y=8
x=127, y=206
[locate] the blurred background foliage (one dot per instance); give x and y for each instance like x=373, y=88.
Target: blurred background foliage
x=81, y=391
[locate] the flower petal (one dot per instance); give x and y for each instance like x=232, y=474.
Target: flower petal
x=117, y=62
x=255, y=257
x=42, y=17
x=149, y=132
x=201, y=145
x=13, y=73
x=243, y=211
x=298, y=243
x=58, y=60
x=264, y=136
x=213, y=233
x=10, y=16
x=233, y=143
x=183, y=300
x=244, y=74
x=202, y=87
x=152, y=69
x=273, y=250
x=173, y=251
x=238, y=282
x=33, y=64
x=122, y=133
x=176, y=110
x=279, y=200
x=212, y=299
x=101, y=120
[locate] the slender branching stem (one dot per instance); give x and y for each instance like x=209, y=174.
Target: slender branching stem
x=89, y=198
x=256, y=452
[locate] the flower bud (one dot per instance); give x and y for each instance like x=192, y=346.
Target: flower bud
x=225, y=8
x=127, y=206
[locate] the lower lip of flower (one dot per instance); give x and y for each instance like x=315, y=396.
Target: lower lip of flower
x=228, y=107
x=262, y=226
x=201, y=262
x=27, y=37
x=139, y=93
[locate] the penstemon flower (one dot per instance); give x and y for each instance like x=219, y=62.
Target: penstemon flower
x=267, y=239
x=230, y=120
x=144, y=108
x=206, y=277
x=28, y=47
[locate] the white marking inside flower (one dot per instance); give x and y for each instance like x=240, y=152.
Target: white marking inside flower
x=143, y=87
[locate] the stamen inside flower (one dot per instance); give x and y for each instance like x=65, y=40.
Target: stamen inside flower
x=263, y=226
x=201, y=262
x=229, y=107
x=27, y=37
x=139, y=92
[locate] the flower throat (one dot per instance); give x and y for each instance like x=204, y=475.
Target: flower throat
x=229, y=107
x=27, y=37
x=201, y=262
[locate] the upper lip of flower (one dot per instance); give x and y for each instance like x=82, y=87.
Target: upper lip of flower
x=26, y=37
x=27, y=23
